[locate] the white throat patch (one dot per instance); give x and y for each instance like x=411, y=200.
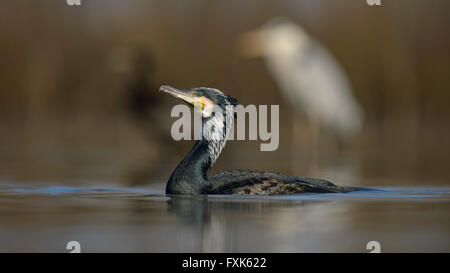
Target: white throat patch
x=216, y=130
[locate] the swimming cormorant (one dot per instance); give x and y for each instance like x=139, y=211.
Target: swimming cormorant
x=191, y=175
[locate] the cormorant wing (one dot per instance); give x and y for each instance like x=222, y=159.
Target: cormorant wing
x=253, y=182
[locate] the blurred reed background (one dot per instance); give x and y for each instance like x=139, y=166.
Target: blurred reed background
x=79, y=101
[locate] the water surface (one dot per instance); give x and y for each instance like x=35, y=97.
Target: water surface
x=107, y=219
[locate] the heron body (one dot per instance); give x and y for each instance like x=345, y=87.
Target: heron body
x=308, y=75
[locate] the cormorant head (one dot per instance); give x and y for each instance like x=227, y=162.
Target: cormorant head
x=205, y=100
x=217, y=110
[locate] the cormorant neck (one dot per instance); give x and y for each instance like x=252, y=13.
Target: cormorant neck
x=191, y=175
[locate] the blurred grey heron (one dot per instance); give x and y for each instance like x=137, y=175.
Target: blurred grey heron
x=308, y=76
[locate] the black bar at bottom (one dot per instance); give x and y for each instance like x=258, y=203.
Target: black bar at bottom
x=226, y=262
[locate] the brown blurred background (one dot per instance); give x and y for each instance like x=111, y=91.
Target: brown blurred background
x=79, y=101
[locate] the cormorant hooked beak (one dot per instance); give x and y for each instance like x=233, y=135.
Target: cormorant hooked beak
x=201, y=103
x=186, y=95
